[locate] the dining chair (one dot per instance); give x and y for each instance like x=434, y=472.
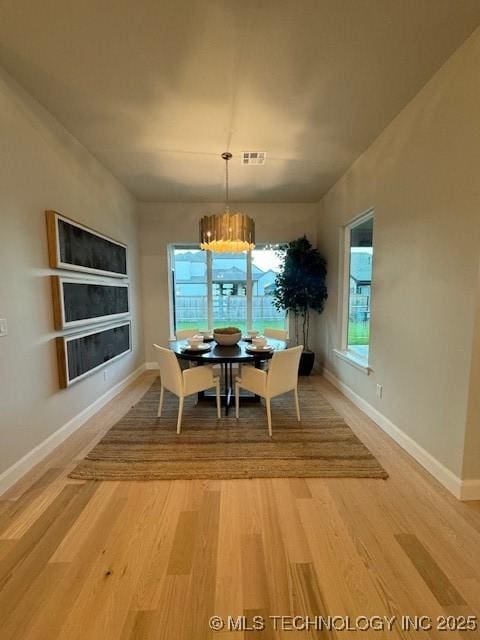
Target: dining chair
x=183, y=383
x=281, y=377
x=186, y=333
x=276, y=334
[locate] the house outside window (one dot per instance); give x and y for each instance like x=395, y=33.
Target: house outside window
x=217, y=289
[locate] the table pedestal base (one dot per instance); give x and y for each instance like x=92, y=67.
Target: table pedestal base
x=227, y=387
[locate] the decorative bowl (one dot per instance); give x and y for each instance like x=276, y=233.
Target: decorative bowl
x=227, y=336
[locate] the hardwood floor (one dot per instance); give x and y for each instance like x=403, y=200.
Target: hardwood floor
x=128, y=560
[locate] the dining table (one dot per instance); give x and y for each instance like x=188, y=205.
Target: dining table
x=226, y=357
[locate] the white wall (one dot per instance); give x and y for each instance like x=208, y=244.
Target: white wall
x=44, y=167
x=421, y=175
x=165, y=223
x=471, y=462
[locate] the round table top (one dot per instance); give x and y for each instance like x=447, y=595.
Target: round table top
x=219, y=353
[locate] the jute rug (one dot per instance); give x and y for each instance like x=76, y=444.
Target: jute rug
x=143, y=447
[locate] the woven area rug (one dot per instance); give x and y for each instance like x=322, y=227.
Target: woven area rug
x=143, y=447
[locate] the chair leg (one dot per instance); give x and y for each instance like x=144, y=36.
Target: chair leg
x=237, y=400
x=180, y=412
x=219, y=411
x=297, y=403
x=160, y=404
x=269, y=416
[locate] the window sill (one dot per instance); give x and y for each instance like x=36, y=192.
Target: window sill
x=354, y=360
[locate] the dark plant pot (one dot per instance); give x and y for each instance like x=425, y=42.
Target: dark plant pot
x=306, y=363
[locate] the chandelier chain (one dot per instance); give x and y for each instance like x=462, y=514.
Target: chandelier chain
x=227, y=232
x=226, y=183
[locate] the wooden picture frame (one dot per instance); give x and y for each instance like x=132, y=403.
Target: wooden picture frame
x=81, y=354
x=78, y=302
x=76, y=247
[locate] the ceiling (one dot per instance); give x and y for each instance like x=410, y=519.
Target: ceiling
x=158, y=89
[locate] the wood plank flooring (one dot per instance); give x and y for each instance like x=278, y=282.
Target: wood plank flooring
x=154, y=560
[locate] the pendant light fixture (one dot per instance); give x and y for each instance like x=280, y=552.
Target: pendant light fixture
x=227, y=232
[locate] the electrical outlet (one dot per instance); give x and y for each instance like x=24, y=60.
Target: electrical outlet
x=105, y=375
x=3, y=327
x=379, y=390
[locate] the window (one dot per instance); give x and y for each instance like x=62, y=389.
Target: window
x=229, y=289
x=358, y=287
x=217, y=289
x=266, y=263
x=190, y=288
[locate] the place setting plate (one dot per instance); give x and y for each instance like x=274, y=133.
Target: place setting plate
x=268, y=348
x=201, y=348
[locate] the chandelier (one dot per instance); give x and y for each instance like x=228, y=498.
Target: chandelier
x=227, y=232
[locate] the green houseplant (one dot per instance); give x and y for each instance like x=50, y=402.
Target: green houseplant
x=300, y=288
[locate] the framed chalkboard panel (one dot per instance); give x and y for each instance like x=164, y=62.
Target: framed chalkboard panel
x=79, y=302
x=81, y=354
x=73, y=246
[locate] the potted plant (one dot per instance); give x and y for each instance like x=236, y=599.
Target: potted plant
x=299, y=289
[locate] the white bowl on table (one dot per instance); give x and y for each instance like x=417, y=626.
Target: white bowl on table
x=259, y=343
x=227, y=339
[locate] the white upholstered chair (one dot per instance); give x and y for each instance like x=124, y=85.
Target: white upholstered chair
x=183, y=383
x=184, y=335
x=281, y=377
x=187, y=333
x=276, y=334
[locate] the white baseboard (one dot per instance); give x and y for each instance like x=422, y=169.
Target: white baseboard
x=151, y=365
x=470, y=490
x=461, y=489
x=11, y=475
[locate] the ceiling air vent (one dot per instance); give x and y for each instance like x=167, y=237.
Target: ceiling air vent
x=254, y=157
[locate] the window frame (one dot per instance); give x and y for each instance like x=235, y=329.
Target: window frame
x=343, y=352
x=209, y=278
